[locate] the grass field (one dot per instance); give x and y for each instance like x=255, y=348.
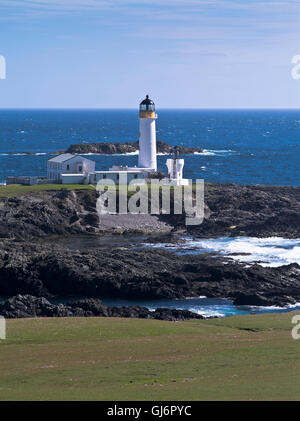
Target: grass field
x=13, y=190
x=235, y=358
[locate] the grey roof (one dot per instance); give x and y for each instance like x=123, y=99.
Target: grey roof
x=65, y=157
x=62, y=157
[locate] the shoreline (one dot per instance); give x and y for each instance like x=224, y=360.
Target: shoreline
x=28, y=306
x=35, y=258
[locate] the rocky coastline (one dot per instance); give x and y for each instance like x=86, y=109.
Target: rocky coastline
x=51, y=270
x=231, y=210
x=24, y=306
x=35, y=261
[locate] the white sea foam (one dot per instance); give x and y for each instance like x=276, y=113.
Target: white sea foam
x=208, y=313
x=205, y=311
x=271, y=252
x=215, y=152
x=131, y=153
x=204, y=153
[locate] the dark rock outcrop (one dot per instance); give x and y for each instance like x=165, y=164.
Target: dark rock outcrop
x=230, y=210
x=61, y=212
x=46, y=270
x=111, y=148
x=258, y=211
x=258, y=299
x=21, y=306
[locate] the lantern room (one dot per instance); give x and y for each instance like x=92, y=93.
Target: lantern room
x=147, y=108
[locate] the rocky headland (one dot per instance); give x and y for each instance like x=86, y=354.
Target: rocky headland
x=34, y=259
x=230, y=210
x=51, y=270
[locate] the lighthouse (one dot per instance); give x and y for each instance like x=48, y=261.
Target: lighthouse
x=147, y=139
x=147, y=162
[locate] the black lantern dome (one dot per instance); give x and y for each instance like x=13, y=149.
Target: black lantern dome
x=147, y=104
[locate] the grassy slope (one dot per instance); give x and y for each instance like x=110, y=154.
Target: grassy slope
x=18, y=190
x=237, y=358
x=14, y=190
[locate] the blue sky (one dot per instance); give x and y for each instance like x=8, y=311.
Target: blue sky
x=184, y=53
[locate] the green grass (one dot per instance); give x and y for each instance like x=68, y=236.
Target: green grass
x=237, y=358
x=13, y=190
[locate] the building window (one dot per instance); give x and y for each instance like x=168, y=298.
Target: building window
x=118, y=176
x=80, y=168
x=104, y=176
x=68, y=167
x=135, y=176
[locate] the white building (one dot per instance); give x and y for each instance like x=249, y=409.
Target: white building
x=116, y=176
x=69, y=165
x=175, y=170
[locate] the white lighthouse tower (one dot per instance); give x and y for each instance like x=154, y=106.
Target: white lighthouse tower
x=147, y=139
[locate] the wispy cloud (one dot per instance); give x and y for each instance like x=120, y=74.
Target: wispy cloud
x=140, y=6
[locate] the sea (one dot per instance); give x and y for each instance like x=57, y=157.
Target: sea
x=249, y=147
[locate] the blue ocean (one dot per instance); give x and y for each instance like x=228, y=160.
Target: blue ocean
x=240, y=146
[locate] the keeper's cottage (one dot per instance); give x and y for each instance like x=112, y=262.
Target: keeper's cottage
x=76, y=167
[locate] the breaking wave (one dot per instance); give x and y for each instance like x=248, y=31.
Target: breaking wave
x=215, y=152
x=206, y=307
x=271, y=252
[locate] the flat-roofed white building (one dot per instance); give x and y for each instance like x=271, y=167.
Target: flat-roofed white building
x=117, y=176
x=69, y=164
